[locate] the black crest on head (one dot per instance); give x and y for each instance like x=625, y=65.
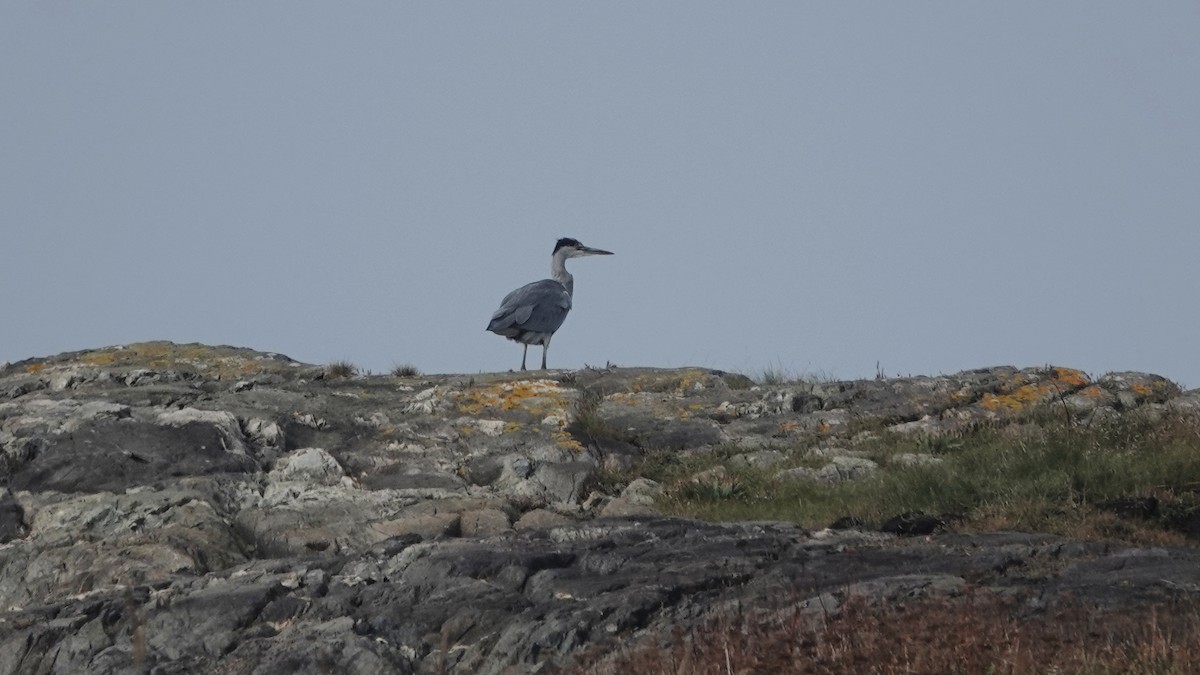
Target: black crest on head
x=566, y=241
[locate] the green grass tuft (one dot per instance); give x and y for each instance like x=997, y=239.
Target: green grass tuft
x=777, y=375
x=1054, y=477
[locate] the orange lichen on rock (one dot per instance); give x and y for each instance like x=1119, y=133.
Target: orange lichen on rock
x=679, y=383
x=1151, y=389
x=1026, y=390
x=566, y=441
x=222, y=361
x=535, y=396
x=1072, y=377
x=1018, y=399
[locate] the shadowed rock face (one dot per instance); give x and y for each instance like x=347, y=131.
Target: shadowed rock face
x=189, y=508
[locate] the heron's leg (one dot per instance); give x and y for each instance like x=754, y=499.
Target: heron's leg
x=545, y=348
x=523, y=355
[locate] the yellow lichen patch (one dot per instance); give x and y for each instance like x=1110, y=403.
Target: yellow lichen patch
x=1025, y=391
x=676, y=382
x=566, y=441
x=1151, y=389
x=35, y=368
x=99, y=358
x=1091, y=391
x=691, y=380
x=1018, y=399
x=535, y=396
x=151, y=354
x=223, y=361
x=626, y=397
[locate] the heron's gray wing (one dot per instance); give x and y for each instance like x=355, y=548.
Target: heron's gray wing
x=541, y=306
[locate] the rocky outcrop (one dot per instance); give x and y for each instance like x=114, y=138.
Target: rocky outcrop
x=186, y=508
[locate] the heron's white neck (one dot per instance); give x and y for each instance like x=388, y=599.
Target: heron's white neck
x=558, y=272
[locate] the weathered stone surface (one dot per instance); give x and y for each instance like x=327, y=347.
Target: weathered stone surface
x=119, y=454
x=486, y=605
x=760, y=459
x=186, y=508
x=541, y=519
x=916, y=459
x=484, y=523
x=840, y=468
x=12, y=518
x=637, y=499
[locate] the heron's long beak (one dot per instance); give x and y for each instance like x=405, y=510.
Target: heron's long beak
x=588, y=250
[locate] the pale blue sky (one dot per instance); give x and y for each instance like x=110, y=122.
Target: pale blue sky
x=812, y=187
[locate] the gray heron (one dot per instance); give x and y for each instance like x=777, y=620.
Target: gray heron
x=532, y=313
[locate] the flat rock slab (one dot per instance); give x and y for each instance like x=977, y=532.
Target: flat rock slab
x=528, y=599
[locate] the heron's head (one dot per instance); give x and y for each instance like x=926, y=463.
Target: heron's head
x=571, y=248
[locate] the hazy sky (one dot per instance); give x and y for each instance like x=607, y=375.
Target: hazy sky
x=810, y=187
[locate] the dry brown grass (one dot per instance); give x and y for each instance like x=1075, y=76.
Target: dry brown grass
x=340, y=370
x=978, y=633
x=405, y=370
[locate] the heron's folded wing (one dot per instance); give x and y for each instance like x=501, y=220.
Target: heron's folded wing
x=549, y=310
x=540, y=306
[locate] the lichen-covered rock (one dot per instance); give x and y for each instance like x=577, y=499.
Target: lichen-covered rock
x=186, y=508
x=1133, y=389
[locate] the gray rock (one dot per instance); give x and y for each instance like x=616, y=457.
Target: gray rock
x=798, y=473
x=916, y=459
x=563, y=481
x=123, y=453
x=528, y=601
x=187, y=508
x=312, y=466
x=412, y=477
x=1133, y=389
x=839, y=469
x=1089, y=399
x=541, y=519
x=642, y=490
x=716, y=474
x=637, y=499
x=484, y=523
x=846, y=468
x=12, y=518
x=833, y=452
x=760, y=459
